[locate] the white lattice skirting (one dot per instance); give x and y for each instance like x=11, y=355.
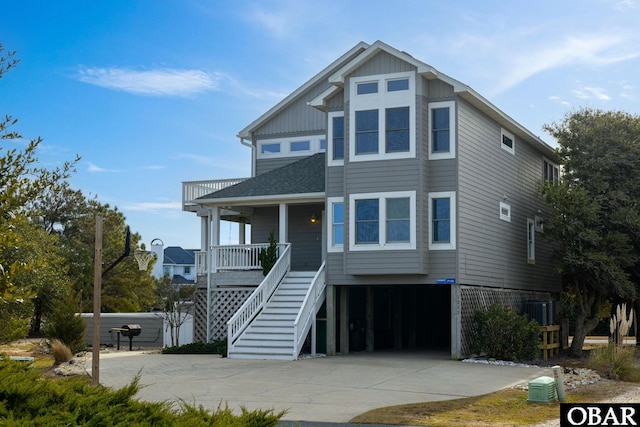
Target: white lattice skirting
x=474, y=298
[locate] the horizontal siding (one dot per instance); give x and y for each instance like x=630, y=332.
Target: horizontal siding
x=382, y=175
x=334, y=184
x=493, y=252
x=437, y=90
x=263, y=221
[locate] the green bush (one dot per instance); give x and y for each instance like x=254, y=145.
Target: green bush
x=13, y=326
x=28, y=400
x=215, y=347
x=502, y=333
x=65, y=325
x=269, y=256
x=615, y=362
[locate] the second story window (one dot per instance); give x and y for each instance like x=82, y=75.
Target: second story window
x=550, y=172
x=442, y=217
x=335, y=134
x=397, y=127
x=383, y=121
x=297, y=146
x=366, y=132
x=270, y=148
x=442, y=130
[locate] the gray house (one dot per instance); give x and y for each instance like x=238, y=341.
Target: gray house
x=402, y=201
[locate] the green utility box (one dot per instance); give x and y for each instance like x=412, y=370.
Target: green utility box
x=542, y=389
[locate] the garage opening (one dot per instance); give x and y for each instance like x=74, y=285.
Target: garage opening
x=403, y=317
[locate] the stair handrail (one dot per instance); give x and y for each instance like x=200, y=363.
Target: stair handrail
x=258, y=298
x=310, y=306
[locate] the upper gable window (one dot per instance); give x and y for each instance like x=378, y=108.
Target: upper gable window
x=291, y=147
x=270, y=148
x=396, y=85
x=508, y=141
x=384, y=125
x=442, y=130
x=367, y=88
x=550, y=172
x=300, y=146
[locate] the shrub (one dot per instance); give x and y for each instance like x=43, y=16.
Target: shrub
x=13, y=326
x=27, y=400
x=502, y=333
x=269, y=256
x=65, y=325
x=61, y=353
x=215, y=347
x=615, y=362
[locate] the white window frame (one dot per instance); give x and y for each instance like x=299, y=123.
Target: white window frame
x=382, y=221
x=381, y=101
x=330, y=160
x=550, y=165
x=331, y=247
x=451, y=245
x=451, y=154
x=505, y=216
x=512, y=149
x=531, y=241
x=285, y=146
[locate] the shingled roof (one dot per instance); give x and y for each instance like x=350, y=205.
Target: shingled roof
x=301, y=177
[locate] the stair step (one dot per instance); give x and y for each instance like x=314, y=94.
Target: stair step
x=280, y=335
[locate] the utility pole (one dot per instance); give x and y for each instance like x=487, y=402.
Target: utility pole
x=97, y=292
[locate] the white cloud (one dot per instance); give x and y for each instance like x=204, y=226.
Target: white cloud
x=152, y=207
x=590, y=50
x=589, y=92
x=158, y=82
x=93, y=168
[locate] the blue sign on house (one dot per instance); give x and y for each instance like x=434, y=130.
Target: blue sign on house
x=447, y=281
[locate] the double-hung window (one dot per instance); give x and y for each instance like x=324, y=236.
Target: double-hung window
x=382, y=114
x=550, y=172
x=382, y=221
x=335, y=224
x=336, y=139
x=442, y=220
x=442, y=131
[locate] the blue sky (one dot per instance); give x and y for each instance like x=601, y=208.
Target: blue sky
x=153, y=93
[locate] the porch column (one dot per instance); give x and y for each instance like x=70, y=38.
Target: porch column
x=242, y=233
x=204, y=233
x=456, y=322
x=370, y=324
x=213, y=235
x=344, y=320
x=331, y=320
x=283, y=216
x=214, y=218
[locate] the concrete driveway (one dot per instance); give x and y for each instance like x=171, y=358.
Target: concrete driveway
x=327, y=389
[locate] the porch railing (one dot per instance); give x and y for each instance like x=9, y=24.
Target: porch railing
x=256, y=301
x=231, y=258
x=306, y=316
x=191, y=190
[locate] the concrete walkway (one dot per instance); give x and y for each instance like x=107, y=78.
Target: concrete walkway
x=328, y=389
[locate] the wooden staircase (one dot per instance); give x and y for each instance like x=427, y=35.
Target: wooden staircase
x=271, y=334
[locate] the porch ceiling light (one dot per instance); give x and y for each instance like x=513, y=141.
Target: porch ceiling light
x=313, y=218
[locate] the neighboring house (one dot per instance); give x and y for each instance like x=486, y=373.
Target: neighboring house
x=402, y=200
x=177, y=263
